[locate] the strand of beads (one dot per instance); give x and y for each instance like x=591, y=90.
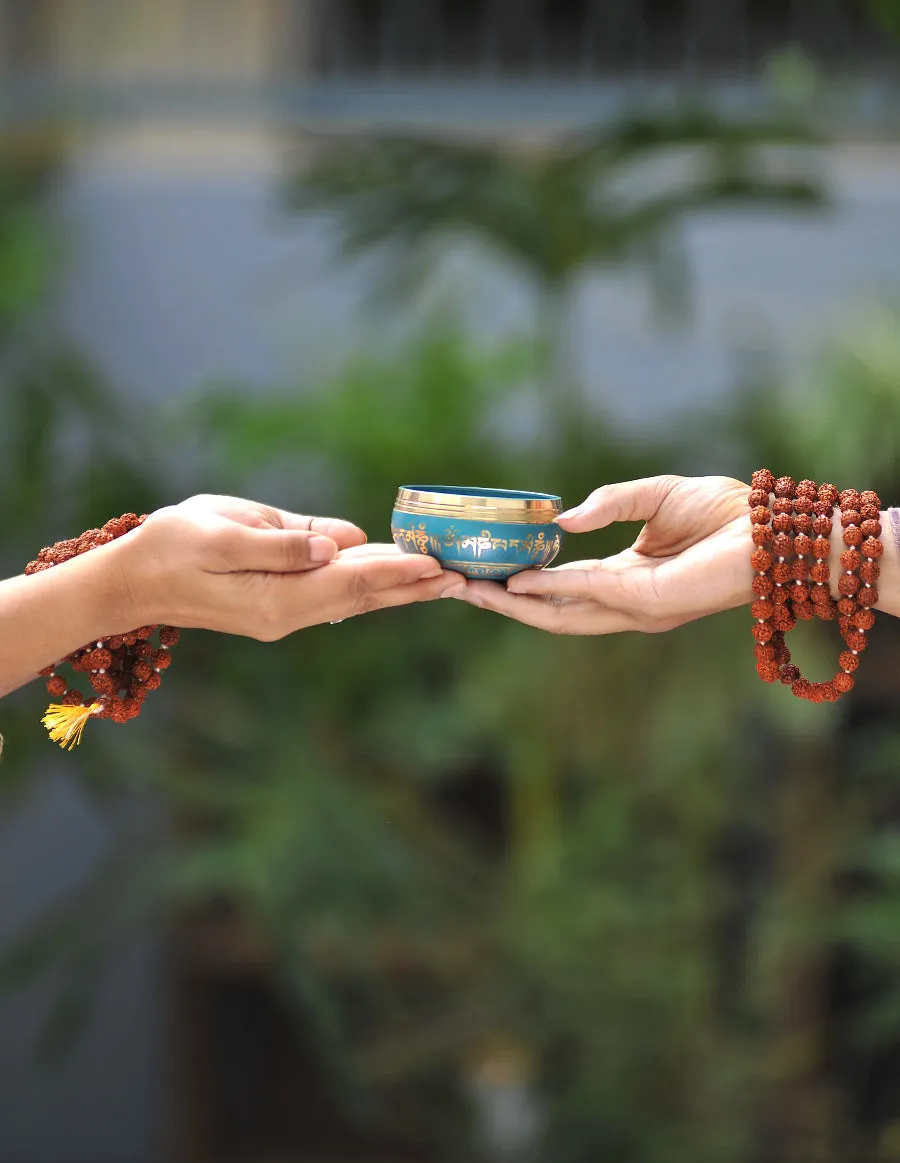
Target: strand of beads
x=770, y=606
x=782, y=544
x=122, y=669
x=803, y=498
x=860, y=514
x=790, y=588
x=821, y=522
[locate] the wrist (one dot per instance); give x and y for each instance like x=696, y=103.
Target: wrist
x=736, y=550
x=134, y=581
x=50, y=614
x=888, y=584
x=109, y=571
x=889, y=580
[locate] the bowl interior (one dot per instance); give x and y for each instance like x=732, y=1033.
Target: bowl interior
x=473, y=493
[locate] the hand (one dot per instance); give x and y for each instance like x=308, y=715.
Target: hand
x=222, y=563
x=690, y=559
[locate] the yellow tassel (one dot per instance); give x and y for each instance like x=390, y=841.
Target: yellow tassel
x=65, y=724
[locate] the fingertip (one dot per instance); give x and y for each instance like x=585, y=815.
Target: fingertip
x=455, y=587
x=584, y=519
x=520, y=583
x=428, y=566
x=345, y=533
x=478, y=593
x=594, y=512
x=573, y=514
x=321, y=549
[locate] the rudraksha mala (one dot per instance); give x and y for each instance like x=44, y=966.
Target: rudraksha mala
x=122, y=669
x=790, y=557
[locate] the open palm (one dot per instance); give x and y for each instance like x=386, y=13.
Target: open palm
x=690, y=559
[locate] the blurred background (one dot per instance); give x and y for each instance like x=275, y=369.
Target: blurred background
x=430, y=886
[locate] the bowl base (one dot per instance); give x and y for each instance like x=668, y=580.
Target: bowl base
x=484, y=572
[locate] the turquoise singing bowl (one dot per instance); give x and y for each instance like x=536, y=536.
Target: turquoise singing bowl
x=481, y=533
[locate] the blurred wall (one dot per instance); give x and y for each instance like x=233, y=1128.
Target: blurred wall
x=187, y=268
x=97, y=41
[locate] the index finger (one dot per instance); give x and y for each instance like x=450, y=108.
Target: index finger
x=364, y=572
x=380, y=549
x=574, y=580
x=623, y=501
x=343, y=533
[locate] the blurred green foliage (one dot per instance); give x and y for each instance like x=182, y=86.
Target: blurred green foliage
x=27, y=253
x=446, y=832
x=556, y=208
x=887, y=14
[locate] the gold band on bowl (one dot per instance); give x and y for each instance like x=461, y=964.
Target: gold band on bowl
x=503, y=516
x=535, y=510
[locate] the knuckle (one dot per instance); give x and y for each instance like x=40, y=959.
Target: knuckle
x=200, y=500
x=294, y=551
x=269, y=517
x=665, y=484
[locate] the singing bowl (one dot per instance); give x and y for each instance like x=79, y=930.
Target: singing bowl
x=481, y=533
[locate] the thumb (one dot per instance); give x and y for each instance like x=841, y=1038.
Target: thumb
x=274, y=550
x=625, y=501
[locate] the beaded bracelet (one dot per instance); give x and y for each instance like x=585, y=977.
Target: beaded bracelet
x=789, y=589
x=122, y=669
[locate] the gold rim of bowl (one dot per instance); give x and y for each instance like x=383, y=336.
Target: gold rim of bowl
x=538, y=509
x=502, y=516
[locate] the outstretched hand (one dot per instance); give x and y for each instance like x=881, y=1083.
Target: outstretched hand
x=690, y=559
x=223, y=563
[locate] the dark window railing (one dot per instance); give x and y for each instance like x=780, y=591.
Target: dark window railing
x=596, y=38
x=301, y=41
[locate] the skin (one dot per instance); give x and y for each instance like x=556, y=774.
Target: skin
x=690, y=559
x=226, y=564
x=216, y=563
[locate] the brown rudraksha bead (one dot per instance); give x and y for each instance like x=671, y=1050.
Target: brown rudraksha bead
x=793, y=575
x=112, y=663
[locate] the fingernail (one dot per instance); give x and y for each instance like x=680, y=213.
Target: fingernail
x=578, y=511
x=321, y=548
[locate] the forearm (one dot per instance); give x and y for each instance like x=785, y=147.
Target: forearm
x=47, y=615
x=889, y=581
x=736, y=568
x=888, y=584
